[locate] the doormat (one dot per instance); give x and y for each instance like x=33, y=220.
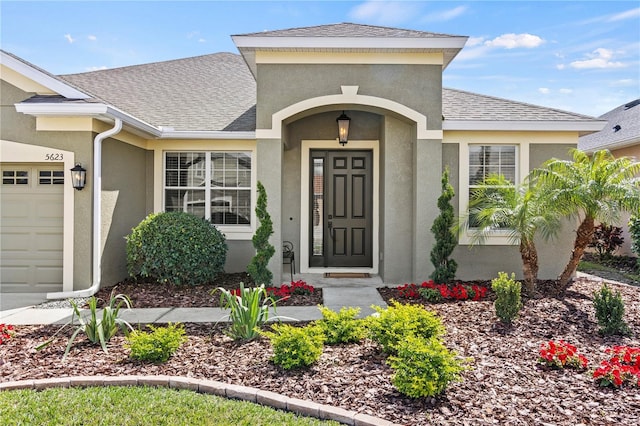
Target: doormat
x=346, y=275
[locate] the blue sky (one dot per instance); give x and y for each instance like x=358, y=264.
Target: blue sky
x=581, y=56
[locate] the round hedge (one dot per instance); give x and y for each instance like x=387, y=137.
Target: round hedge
x=176, y=248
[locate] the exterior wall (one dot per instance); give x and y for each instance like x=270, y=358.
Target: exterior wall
x=21, y=128
x=630, y=151
x=124, y=192
x=484, y=262
x=417, y=86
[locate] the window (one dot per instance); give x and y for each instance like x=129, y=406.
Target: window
x=213, y=185
x=15, y=177
x=486, y=160
x=51, y=177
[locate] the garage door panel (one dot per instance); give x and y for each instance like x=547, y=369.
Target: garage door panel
x=31, y=233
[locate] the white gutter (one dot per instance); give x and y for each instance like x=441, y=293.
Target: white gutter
x=97, y=216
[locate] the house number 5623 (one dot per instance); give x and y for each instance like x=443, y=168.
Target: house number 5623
x=54, y=157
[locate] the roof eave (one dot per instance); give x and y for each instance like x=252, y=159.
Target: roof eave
x=107, y=113
x=582, y=127
x=31, y=72
x=614, y=145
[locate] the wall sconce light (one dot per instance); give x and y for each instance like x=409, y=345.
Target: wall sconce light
x=343, y=128
x=78, y=177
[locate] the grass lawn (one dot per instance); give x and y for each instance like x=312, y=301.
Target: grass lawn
x=137, y=406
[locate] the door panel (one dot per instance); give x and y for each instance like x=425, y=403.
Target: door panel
x=346, y=217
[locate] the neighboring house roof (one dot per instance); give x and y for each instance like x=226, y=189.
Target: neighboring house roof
x=210, y=92
x=622, y=129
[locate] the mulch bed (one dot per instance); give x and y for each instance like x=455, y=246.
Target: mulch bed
x=146, y=293
x=505, y=385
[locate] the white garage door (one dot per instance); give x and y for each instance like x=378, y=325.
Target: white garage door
x=31, y=219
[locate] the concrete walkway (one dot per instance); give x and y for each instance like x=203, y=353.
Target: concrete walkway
x=21, y=309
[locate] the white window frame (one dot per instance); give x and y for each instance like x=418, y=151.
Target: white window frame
x=232, y=232
x=497, y=237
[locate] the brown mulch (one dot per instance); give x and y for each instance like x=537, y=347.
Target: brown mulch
x=505, y=385
x=147, y=293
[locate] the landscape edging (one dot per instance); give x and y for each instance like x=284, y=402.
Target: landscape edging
x=212, y=387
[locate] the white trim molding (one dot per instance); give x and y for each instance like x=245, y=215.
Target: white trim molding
x=349, y=95
x=524, y=126
x=306, y=147
x=16, y=152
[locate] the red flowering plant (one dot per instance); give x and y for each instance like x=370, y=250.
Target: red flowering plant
x=287, y=290
x=622, y=367
x=561, y=354
x=6, y=332
x=433, y=292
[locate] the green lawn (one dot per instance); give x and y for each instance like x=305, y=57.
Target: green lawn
x=137, y=406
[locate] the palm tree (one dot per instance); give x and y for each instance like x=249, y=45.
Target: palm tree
x=498, y=205
x=590, y=188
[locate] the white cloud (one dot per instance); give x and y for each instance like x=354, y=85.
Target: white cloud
x=92, y=37
x=474, y=41
x=625, y=82
x=566, y=91
x=384, y=12
x=599, y=58
x=69, y=38
x=561, y=66
x=201, y=40
x=512, y=41
x=544, y=90
x=445, y=15
x=96, y=68
x=629, y=14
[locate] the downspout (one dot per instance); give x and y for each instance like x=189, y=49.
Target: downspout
x=97, y=216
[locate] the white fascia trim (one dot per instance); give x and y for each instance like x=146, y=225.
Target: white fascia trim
x=258, y=42
x=522, y=126
x=206, y=134
x=42, y=78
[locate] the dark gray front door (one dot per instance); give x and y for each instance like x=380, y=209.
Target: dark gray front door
x=342, y=208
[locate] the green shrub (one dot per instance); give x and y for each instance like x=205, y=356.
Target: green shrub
x=249, y=310
x=341, y=327
x=446, y=239
x=432, y=295
x=634, y=231
x=508, y=302
x=177, y=248
x=258, y=267
x=424, y=367
x=610, y=311
x=390, y=326
x=158, y=345
x=295, y=347
x=98, y=327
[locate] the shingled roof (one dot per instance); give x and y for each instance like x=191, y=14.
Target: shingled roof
x=622, y=129
x=347, y=29
x=210, y=92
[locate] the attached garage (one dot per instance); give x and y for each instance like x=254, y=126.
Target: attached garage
x=31, y=227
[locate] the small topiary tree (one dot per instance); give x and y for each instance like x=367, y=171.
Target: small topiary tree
x=264, y=251
x=176, y=248
x=446, y=239
x=634, y=230
x=508, y=301
x=610, y=312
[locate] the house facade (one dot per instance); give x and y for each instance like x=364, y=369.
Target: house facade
x=621, y=136
x=197, y=134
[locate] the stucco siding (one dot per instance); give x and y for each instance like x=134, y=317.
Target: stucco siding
x=124, y=190
x=417, y=86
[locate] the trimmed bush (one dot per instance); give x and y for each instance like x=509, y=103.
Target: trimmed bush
x=392, y=325
x=258, y=268
x=424, y=367
x=446, y=239
x=176, y=248
x=610, y=311
x=295, y=347
x=508, y=301
x=634, y=230
x=157, y=345
x=341, y=327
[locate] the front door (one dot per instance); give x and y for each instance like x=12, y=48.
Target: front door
x=341, y=209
